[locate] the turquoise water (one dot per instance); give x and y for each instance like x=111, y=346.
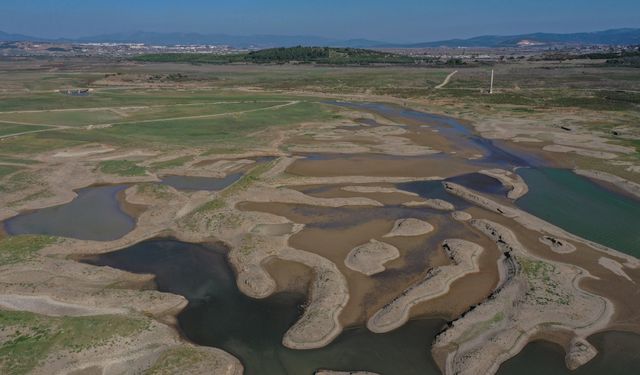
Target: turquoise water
x=583, y=207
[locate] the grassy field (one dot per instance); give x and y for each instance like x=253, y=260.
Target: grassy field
x=121, y=168
x=8, y=128
x=145, y=105
x=6, y=170
x=225, y=131
x=131, y=114
x=30, y=338
x=18, y=249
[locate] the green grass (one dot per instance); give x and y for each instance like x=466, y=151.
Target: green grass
x=84, y=117
x=17, y=249
x=31, y=337
x=178, y=360
x=121, y=168
x=215, y=133
x=31, y=144
x=6, y=170
x=9, y=129
x=172, y=163
x=156, y=190
x=125, y=98
x=19, y=180
x=67, y=118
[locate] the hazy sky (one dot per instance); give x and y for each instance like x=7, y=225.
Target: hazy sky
x=390, y=20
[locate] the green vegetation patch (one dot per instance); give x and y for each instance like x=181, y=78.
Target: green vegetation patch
x=10, y=129
x=17, y=249
x=121, y=168
x=29, y=338
x=543, y=289
x=321, y=55
x=6, y=170
x=248, y=179
x=153, y=189
x=226, y=131
x=179, y=360
x=36, y=143
x=66, y=118
x=173, y=163
x=18, y=181
x=127, y=114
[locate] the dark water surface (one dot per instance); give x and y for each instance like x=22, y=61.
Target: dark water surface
x=619, y=354
x=433, y=190
x=219, y=315
x=200, y=183
x=95, y=214
x=480, y=182
x=582, y=207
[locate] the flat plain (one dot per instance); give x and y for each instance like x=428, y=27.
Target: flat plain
x=349, y=210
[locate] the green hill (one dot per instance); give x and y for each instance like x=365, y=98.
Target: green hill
x=303, y=55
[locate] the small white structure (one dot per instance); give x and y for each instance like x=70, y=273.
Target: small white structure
x=491, y=87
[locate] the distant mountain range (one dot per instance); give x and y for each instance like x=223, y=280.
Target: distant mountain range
x=626, y=36
x=607, y=37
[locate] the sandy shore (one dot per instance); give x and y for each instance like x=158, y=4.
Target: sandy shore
x=626, y=185
x=463, y=256
x=539, y=296
x=532, y=222
x=534, y=298
x=409, y=227
x=516, y=185
x=369, y=258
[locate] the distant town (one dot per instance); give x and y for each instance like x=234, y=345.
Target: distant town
x=524, y=50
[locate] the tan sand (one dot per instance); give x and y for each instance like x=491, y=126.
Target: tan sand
x=626, y=185
x=537, y=296
x=614, y=267
x=369, y=258
x=437, y=204
x=532, y=222
x=463, y=256
x=409, y=227
x=510, y=180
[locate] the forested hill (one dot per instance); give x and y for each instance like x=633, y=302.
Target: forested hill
x=318, y=55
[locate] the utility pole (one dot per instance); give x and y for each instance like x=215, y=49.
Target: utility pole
x=491, y=88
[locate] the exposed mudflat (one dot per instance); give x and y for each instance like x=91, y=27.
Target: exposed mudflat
x=386, y=220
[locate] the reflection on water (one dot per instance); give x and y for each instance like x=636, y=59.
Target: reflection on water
x=94, y=215
x=219, y=315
